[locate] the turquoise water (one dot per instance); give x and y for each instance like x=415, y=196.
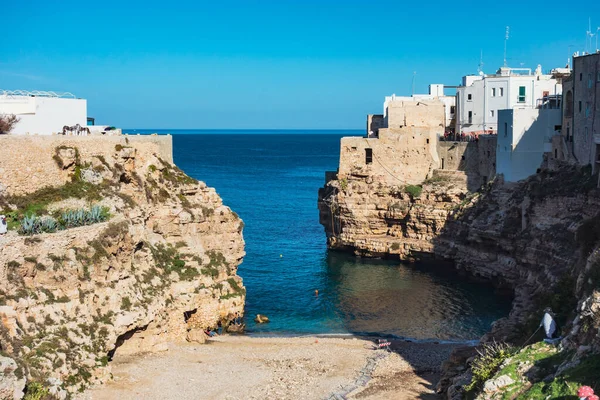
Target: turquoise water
x=271, y=180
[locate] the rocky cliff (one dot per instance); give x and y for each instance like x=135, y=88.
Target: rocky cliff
x=538, y=238
x=161, y=268
x=367, y=216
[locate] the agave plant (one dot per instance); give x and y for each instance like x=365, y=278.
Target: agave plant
x=95, y=214
x=48, y=224
x=30, y=225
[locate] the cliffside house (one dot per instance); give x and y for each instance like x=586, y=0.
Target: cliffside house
x=480, y=97
x=42, y=112
x=579, y=141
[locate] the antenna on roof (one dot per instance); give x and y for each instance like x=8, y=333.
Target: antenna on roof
x=413, y=82
x=480, y=66
x=505, y=40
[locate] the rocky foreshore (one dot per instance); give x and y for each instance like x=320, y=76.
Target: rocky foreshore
x=160, y=267
x=538, y=237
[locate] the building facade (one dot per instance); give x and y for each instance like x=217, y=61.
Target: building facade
x=395, y=109
x=582, y=109
x=480, y=97
x=43, y=113
x=524, y=135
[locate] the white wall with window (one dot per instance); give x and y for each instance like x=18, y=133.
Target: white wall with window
x=523, y=137
x=481, y=97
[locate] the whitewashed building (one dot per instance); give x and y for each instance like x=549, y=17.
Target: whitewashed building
x=480, y=97
x=43, y=113
x=524, y=135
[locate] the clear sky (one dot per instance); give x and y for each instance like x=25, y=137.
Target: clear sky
x=270, y=64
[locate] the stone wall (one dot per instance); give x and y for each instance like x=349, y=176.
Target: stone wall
x=476, y=159
x=586, y=110
x=30, y=164
x=398, y=155
x=422, y=113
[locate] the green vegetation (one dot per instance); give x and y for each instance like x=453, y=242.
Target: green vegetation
x=343, y=184
x=565, y=386
x=532, y=370
x=437, y=179
x=32, y=224
x=57, y=158
x=413, y=190
x=169, y=260
x=217, y=260
x=126, y=303
x=175, y=176
x=35, y=391
x=487, y=363
x=395, y=246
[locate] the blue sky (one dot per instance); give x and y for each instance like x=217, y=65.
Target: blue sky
x=269, y=64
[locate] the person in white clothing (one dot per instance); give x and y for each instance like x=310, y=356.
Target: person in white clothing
x=3, y=225
x=548, y=323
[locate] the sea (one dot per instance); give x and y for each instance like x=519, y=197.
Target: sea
x=271, y=179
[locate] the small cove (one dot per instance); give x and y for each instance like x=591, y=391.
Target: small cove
x=271, y=180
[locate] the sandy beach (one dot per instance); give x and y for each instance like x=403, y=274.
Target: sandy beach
x=242, y=367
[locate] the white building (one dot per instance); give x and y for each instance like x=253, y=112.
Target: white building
x=524, y=135
x=481, y=97
x=436, y=91
x=43, y=113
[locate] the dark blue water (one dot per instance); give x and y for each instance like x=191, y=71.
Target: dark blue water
x=271, y=180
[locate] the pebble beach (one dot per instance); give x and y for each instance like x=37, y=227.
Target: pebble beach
x=242, y=367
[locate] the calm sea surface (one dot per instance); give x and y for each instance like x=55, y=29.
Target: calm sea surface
x=271, y=180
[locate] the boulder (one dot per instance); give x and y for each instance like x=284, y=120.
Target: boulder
x=261, y=319
x=196, y=336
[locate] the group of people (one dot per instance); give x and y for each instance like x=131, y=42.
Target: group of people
x=461, y=137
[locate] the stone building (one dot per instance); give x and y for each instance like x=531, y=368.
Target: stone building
x=584, y=109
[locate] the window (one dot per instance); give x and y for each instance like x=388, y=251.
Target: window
x=488, y=153
x=588, y=108
x=598, y=78
x=506, y=129
x=469, y=97
x=580, y=77
x=470, y=117
x=462, y=158
x=493, y=92
x=521, y=94
x=453, y=108
x=590, y=81
x=368, y=156
x=427, y=141
x=501, y=91
x=579, y=106
x=491, y=113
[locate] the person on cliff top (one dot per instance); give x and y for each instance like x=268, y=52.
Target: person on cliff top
x=549, y=325
x=3, y=225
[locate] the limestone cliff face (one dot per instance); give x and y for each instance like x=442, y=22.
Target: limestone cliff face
x=369, y=217
x=162, y=268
